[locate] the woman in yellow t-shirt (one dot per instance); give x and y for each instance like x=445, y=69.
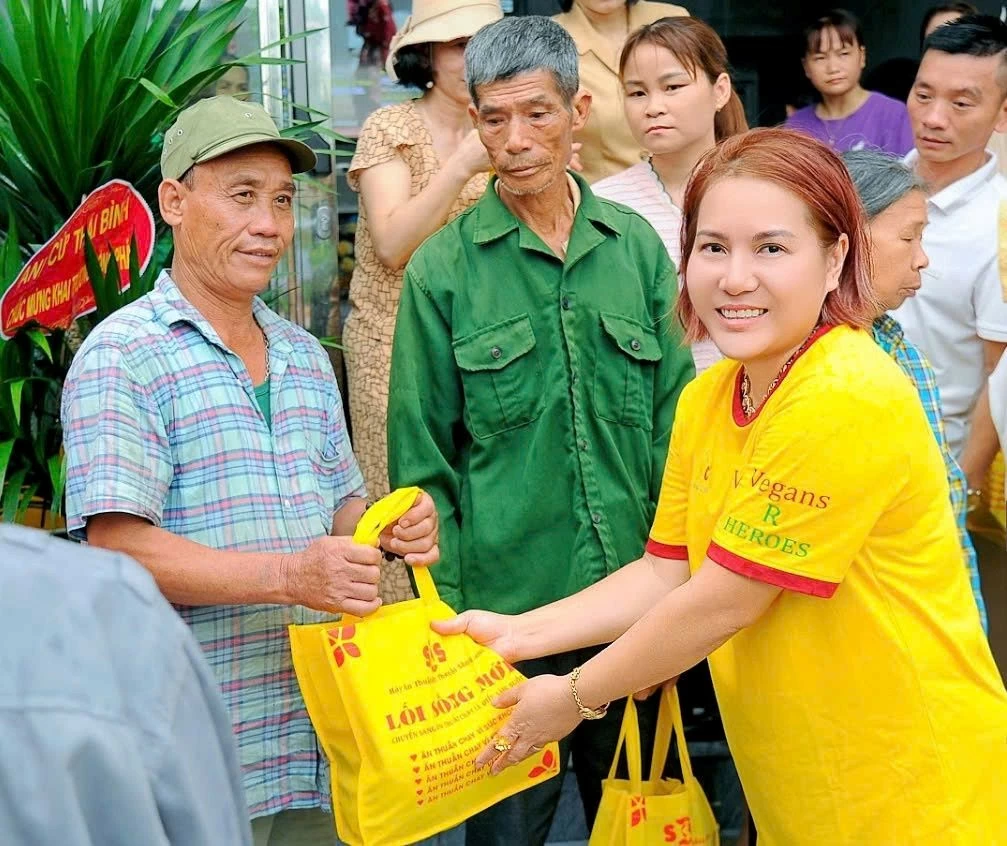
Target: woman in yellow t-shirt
x=801, y=541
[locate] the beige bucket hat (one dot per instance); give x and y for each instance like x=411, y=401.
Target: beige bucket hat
x=442, y=21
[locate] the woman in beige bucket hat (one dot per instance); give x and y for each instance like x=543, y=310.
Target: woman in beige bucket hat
x=417, y=165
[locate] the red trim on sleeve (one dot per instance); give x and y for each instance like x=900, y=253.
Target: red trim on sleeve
x=736, y=410
x=768, y=575
x=678, y=552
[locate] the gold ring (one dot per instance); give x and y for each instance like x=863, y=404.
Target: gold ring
x=501, y=745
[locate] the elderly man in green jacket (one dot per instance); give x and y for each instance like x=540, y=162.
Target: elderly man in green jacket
x=535, y=374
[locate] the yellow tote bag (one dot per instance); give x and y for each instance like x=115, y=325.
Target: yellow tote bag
x=403, y=712
x=634, y=812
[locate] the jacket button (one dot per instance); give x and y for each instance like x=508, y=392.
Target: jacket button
x=634, y=345
x=496, y=352
x=565, y=303
x=596, y=518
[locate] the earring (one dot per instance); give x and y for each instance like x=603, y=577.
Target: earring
x=430, y=85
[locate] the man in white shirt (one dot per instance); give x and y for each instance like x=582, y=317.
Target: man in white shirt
x=959, y=316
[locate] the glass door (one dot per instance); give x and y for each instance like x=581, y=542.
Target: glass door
x=293, y=93
x=296, y=94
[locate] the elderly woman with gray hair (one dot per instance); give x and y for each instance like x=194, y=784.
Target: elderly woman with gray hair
x=896, y=206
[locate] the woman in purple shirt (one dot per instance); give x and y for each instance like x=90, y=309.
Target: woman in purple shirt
x=848, y=117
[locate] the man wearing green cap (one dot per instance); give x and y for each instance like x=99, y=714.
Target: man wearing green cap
x=205, y=437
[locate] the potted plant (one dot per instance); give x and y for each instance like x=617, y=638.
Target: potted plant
x=32, y=364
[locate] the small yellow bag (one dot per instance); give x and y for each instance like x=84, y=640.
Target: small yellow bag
x=634, y=812
x=990, y=518
x=402, y=712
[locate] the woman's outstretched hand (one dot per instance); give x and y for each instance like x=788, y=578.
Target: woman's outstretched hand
x=495, y=631
x=544, y=711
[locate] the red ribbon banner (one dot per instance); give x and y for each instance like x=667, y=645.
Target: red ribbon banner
x=53, y=288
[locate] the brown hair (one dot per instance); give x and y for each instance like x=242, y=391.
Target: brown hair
x=698, y=47
x=819, y=179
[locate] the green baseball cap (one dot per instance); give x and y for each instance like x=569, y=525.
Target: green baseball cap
x=219, y=125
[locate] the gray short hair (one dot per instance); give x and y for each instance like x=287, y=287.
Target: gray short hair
x=880, y=179
x=514, y=46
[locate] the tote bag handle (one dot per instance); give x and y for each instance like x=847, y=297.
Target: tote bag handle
x=669, y=720
x=374, y=521
x=629, y=738
x=425, y=587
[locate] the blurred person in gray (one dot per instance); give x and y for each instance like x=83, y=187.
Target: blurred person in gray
x=112, y=731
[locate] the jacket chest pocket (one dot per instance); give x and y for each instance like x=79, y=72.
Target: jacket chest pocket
x=624, y=372
x=501, y=377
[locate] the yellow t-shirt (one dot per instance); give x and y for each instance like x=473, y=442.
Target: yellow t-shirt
x=864, y=706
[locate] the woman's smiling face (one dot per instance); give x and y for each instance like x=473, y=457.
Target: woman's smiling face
x=758, y=273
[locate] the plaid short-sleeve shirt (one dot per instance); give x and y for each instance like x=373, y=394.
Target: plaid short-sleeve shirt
x=161, y=421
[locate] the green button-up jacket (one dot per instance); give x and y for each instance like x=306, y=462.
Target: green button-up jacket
x=533, y=398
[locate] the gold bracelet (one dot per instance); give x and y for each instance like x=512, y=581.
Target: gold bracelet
x=585, y=712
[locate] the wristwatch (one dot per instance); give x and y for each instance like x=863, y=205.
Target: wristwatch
x=585, y=712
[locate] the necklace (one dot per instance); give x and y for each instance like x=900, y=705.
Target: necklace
x=265, y=338
x=748, y=408
x=839, y=124
x=835, y=127
x=664, y=190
